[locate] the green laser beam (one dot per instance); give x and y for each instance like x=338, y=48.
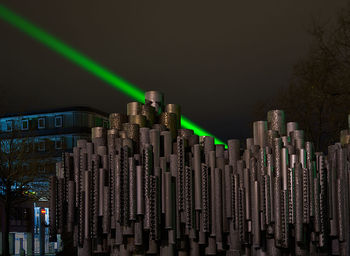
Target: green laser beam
x=86, y=63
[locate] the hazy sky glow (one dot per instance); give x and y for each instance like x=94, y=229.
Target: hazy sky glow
x=216, y=59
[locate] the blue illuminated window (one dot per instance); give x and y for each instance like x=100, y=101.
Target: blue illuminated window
x=25, y=124
x=58, y=121
x=41, y=123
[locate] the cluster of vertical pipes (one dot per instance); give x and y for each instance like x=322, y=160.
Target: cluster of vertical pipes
x=145, y=186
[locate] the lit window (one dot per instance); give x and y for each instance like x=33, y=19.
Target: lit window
x=58, y=143
x=25, y=124
x=41, y=123
x=41, y=145
x=9, y=125
x=58, y=121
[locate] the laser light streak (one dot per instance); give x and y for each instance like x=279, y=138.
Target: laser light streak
x=86, y=63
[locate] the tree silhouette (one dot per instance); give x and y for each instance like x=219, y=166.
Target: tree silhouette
x=318, y=97
x=23, y=174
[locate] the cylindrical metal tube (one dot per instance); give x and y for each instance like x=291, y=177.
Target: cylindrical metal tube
x=278, y=210
x=268, y=199
x=276, y=121
x=170, y=122
x=112, y=134
x=259, y=133
x=247, y=194
x=140, y=200
x=87, y=209
x=132, y=189
x=180, y=173
x=284, y=167
x=101, y=180
x=169, y=200
x=106, y=225
x=218, y=205
x=176, y=109
x=229, y=190
x=150, y=113
x=285, y=142
x=148, y=171
x=188, y=197
x=138, y=234
x=116, y=120
x=133, y=108
x=155, y=142
x=299, y=204
x=256, y=216
x=81, y=143
x=249, y=143
x=277, y=156
x=138, y=119
x=205, y=198
x=167, y=144
x=132, y=131
x=208, y=144
x=219, y=150
x=271, y=135
x=296, y=135
x=197, y=177
x=155, y=99
x=193, y=140
x=98, y=132
x=285, y=224
x=144, y=137
x=212, y=166
x=233, y=152
x=291, y=126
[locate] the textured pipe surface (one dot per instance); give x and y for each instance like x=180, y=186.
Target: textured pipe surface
x=116, y=120
x=135, y=190
x=176, y=109
x=140, y=120
x=155, y=99
x=276, y=121
x=133, y=108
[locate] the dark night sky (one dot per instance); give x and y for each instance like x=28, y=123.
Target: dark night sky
x=214, y=58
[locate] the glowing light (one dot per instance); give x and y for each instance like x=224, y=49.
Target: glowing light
x=86, y=63
x=43, y=211
x=186, y=123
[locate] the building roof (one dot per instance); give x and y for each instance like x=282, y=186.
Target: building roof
x=64, y=109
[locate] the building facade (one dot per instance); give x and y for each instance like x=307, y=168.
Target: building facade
x=54, y=131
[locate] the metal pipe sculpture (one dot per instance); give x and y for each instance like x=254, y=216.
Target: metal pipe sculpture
x=157, y=189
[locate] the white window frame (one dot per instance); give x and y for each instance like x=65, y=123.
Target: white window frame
x=44, y=122
x=61, y=122
x=22, y=122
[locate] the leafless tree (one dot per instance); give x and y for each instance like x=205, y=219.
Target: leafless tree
x=318, y=96
x=23, y=173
